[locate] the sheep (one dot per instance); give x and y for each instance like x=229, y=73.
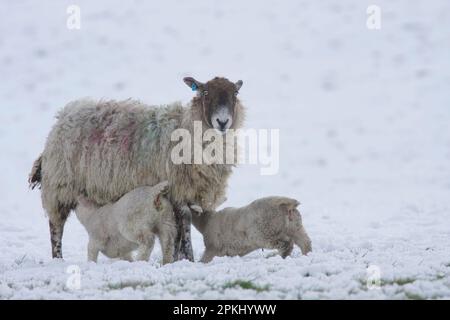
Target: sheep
x=131, y=223
x=104, y=149
x=266, y=223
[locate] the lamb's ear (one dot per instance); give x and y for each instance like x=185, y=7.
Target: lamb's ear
x=287, y=204
x=239, y=84
x=295, y=203
x=193, y=84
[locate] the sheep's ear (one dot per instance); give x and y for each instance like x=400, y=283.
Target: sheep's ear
x=239, y=84
x=193, y=84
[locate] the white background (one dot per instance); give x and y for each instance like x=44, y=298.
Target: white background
x=364, y=127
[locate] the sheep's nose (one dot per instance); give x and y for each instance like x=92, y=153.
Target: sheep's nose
x=222, y=124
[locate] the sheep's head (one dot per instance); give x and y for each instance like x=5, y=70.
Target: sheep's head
x=218, y=99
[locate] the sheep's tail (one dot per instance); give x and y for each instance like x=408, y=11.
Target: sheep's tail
x=35, y=176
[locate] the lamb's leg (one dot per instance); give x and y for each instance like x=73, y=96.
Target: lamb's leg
x=57, y=220
x=145, y=249
x=127, y=257
x=208, y=255
x=284, y=246
x=302, y=240
x=286, y=249
x=93, y=251
x=183, y=244
x=166, y=239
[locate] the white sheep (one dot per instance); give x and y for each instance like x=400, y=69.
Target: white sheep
x=131, y=223
x=270, y=223
x=104, y=149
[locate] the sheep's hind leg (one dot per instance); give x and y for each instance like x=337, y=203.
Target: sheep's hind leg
x=57, y=220
x=183, y=244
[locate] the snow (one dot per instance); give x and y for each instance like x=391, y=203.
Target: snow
x=364, y=139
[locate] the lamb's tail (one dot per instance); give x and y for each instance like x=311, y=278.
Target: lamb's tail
x=35, y=176
x=161, y=188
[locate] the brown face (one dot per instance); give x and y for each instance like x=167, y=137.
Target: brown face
x=218, y=99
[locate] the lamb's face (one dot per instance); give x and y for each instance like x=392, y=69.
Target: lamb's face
x=218, y=98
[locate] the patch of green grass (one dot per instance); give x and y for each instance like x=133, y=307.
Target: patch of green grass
x=247, y=285
x=128, y=284
x=414, y=296
x=399, y=281
x=440, y=277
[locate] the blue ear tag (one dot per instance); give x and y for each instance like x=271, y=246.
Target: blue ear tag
x=194, y=86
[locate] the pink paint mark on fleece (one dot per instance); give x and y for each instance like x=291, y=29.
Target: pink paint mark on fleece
x=126, y=137
x=97, y=136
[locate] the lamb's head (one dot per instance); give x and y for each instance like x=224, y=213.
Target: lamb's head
x=281, y=206
x=218, y=100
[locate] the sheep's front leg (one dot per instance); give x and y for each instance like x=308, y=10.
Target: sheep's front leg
x=186, y=251
x=183, y=244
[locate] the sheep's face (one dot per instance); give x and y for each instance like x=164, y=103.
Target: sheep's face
x=218, y=98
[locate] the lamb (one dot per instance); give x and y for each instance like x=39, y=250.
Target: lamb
x=104, y=149
x=270, y=223
x=131, y=223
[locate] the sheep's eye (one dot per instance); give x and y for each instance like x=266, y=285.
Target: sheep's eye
x=205, y=93
x=236, y=93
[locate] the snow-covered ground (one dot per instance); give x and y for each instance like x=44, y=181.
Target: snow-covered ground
x=364, y=119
